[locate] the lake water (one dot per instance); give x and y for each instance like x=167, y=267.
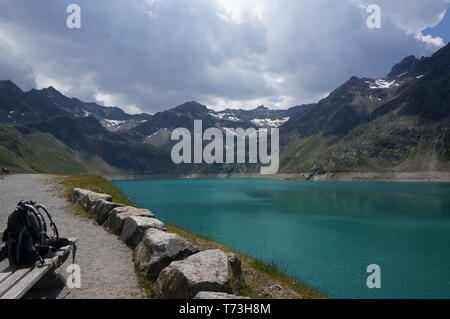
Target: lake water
x=323, y=233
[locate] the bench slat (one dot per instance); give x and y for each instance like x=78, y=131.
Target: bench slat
x=12, y=279
x=26, y=283
x=7, y=272
x=30, y=279
x=14, y=283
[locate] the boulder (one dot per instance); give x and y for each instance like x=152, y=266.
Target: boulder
x=101, y=208
x=85, y=198
x=135, y=226
x=210, y=270
x=117, y=216
x=158, y=249
x=217, y=295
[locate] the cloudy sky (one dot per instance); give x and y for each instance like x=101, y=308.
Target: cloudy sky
x=150, y=55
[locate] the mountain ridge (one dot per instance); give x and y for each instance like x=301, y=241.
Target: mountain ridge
x=396, y=123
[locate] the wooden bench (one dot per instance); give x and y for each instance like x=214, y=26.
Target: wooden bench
x=16, y=281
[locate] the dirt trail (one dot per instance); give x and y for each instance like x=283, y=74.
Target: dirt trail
x=107, y=270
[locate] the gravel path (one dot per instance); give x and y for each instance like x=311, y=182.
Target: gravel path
x=107, y=270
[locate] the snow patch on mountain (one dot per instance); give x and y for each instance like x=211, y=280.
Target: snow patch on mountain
x=380, y=84
x=270, y=122
x=112, y=123
x=225, y=116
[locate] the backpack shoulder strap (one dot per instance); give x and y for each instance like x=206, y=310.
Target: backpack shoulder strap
x=49, y=216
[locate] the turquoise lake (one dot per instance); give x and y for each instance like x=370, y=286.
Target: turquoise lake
x=323, y=233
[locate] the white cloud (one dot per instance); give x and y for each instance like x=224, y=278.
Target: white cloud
x=132, y=109
x=413, y=16
x=434, y=42
x=105, y=99
x=240, y=10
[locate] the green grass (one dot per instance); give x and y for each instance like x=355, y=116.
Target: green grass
x=96, y=184
x=303, y=153
x=143, y=282
x=275, y=273
x=258, y=275
x=24, y=150
x=34, y=151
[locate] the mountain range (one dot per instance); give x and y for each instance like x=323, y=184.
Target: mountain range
x=398, y=123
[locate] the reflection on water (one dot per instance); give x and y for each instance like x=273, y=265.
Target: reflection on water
x=324, y=233
x=387, y=200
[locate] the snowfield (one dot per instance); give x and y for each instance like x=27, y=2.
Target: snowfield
x=380, y=84
x=270, y=122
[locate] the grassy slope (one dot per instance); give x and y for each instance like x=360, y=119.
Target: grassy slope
x=37, y=152
x=24, y=150
x=260, y=277
x=397, y=143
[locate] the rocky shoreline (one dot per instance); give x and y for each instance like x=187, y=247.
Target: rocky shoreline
x=429, y=176
x=178, y=269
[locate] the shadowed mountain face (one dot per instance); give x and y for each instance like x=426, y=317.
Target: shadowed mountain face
x=35, y=106
x=106, y=139
x=397, y=123
x=21, y=107
x=403, y=67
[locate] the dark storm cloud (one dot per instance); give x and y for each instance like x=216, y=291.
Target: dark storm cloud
x=155, y=54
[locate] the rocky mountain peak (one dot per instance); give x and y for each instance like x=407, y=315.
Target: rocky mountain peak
x=192, y=106
x=406, y=65
x=51, y=89
x=51, y=92
x=8, y=84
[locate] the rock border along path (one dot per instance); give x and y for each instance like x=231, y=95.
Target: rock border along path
x=178, y=268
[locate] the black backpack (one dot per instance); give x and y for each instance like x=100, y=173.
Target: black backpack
x=26, y=236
